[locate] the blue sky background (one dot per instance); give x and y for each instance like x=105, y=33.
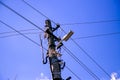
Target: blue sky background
x=21, y=58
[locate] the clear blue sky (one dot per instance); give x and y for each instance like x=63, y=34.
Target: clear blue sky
x=21, y=58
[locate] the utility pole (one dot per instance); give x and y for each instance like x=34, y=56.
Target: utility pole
x=52, y=54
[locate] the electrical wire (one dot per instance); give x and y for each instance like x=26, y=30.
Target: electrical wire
x=73, y=73
x=88, y=55
x=93, y=22
x=19, y=31
x=11, y=35
x=38, y=11
x=21, y=16
x=101, y=21
x=98, y=35
x=27, y=33
x=81, y=63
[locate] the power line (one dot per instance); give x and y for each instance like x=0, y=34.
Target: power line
x=38, y=11
x=92, y=22
x=26, y=32
x=19, y=33
x=81, y=63
x=84, y=37
x=88, y=55
x=91, y=58
x=11, y=35
x=21, y=16
x=98, y=35
x=73, y=73
x=101, y=21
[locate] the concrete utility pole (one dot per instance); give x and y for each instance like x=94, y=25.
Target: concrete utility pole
x=55, y=63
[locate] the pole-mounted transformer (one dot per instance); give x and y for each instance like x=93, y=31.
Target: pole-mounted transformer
x=55, y=63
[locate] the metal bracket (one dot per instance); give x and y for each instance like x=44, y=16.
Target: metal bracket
x=45, y=61
x=56, y=27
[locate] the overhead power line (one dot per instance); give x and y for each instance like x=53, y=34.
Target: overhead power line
x=38, y=11
x=81, y=63
x=102, y=21
x=98, y=35
x=92, y=22
x=26, y=32
x=21, y=16
x=11, y=35
x=88, y=55
x=19, y=32
x=73, y=73
x=8, y=32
